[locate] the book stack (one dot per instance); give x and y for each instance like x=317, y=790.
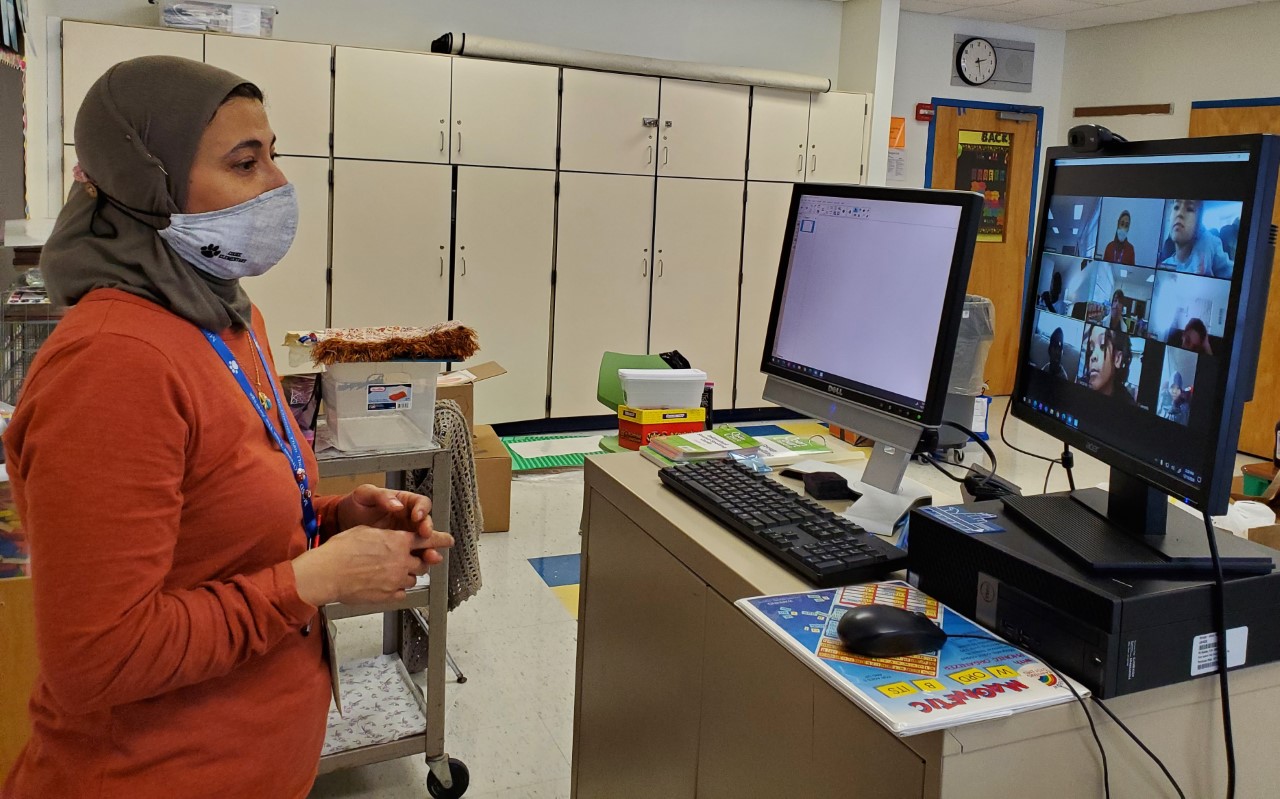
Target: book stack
x=719, y=442
x=638, y=426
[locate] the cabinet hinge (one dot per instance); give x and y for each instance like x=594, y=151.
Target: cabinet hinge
x=553, y=278
x=557, y=195
x=861, y=169
x=560, y=83
x=330, y=141
x=331, y=173
x=328, y=276
x=548, y=405
x=333, y=63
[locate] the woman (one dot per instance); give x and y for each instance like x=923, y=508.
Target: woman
x=178, y=557
x=1120, y=250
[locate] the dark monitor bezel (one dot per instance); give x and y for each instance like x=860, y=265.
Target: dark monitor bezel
x=970, y=205
x=1247, y=301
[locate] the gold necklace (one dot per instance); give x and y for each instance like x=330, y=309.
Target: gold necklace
x=257, y=377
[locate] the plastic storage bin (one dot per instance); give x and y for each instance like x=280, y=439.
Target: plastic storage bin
x=968, y=367
x=387, y=405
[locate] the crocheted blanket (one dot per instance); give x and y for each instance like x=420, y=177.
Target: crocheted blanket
x=447, y=341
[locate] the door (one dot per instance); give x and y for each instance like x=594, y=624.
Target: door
x=504, y=114
x=703, y=131
x=1257, y=427
x=603, y=264
x=837, y=136
x=89, y=49
x=998, y=266
x=294, y=294
x=697, y=249
x=391, y=226
x=502, y=283
x=779, y=134
x=608, y=122
x=391, y=106
x=295, y=79
x=766, y=223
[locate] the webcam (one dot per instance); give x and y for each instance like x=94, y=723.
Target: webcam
x=1091, y=138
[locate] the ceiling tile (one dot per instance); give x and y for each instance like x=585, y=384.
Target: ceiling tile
x=1041, y=8
x=930, y=6
x=989, y=14
x=1169, y=7
x=1056, y=22
x=1113, y=15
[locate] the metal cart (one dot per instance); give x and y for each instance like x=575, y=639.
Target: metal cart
x=448, y=777
x=23, y=328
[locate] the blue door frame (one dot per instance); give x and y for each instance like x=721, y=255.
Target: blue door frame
x=942, y=102
x=1246, y=102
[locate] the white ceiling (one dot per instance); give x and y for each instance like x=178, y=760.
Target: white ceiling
x=1068, y=14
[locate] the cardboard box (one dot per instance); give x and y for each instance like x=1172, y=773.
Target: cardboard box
x=634, y=436
x=651, y=416
x=341, y=486
x=459, y=386
x=493, y=478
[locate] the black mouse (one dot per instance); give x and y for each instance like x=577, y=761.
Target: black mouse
x=884, y=631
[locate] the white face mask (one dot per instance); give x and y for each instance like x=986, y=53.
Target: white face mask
x=244, y=240
x=1122, y=233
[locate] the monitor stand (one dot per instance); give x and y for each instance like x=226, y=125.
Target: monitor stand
x=888, y=495
x=1129, y=529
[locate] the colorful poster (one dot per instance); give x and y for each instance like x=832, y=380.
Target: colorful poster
x=982, y=165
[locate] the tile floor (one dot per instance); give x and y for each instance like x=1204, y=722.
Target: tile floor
x=512, y=721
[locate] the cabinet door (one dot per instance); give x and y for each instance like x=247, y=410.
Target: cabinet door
x=502, y=283
x=293, y=295
x=703, y=131
x=608, y=123
x=766, y=222
x=88, y=50
x=779, y=134
x=294, y=77
x=603, y=263
x=391, y=225
x=698, y=241
x=504, y=114
x=837, y=129
x=391, y=106
x=69, y=162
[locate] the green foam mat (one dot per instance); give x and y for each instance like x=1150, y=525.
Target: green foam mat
x=527, y=462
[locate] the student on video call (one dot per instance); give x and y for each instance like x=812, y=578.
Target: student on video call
x=1054, y=365
x=1107, y=358
x=1196, y=250
x=1174, y=405
x=1051, y=300
x=1115, y=319
x=1120, y=250
x=1196, y=338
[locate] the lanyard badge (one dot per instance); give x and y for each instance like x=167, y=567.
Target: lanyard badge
x=291, y=449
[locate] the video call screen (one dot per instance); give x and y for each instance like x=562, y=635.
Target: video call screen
x=1133, y=295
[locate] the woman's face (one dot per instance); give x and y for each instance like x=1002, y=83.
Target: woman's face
x=235, y=160
x=1099, y=362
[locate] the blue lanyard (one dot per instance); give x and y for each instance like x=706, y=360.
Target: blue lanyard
x=292, y=451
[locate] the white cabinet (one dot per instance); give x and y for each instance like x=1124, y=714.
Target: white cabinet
x=68, y=165
x=391, y=225
x=779, y=134
x=608, y=123
x=697, y=244
x=502, y=282
x=293, y=295
x=88, y=50
x=603, y=264
x=766, y=223
x=391, y=106
x=837, y=136
x=295, y=79
x=703, y=130
x=504, y=114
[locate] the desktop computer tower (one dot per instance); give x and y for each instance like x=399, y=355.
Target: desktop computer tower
x=1116, y=636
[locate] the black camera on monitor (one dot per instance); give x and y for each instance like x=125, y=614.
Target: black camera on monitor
x=1091, y=138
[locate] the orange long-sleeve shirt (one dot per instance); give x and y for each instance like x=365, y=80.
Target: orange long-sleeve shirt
x=162, y=519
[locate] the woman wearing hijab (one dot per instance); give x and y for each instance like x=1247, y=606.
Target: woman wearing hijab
x=178, y=555
x=1120, y=250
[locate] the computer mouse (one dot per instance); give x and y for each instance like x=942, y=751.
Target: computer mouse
x=883, y=631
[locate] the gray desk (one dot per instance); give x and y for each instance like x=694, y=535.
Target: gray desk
x=679, y=695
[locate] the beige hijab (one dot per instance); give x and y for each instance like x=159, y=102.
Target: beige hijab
x=136, y=137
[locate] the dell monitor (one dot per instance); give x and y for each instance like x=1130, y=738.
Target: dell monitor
x=1141, y=324
x=866, y=311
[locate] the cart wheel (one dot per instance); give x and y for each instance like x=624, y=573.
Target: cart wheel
x=461, y=779
x=958, y=457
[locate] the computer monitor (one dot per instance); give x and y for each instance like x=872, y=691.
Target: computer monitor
x=862, y=332
x=1142, y=319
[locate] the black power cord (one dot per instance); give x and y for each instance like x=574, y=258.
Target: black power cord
x=983, y=445
x=1141, y=746
x=1220, y=620
x=1066, y=460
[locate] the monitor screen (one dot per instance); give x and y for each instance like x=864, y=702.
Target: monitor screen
x=1134, y=345
x=868, y=294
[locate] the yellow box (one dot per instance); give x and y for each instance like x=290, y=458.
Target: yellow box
x=647, y=416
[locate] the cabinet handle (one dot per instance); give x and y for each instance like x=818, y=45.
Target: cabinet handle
x=644, y=267
x=660, y=269
x=813, y=163
x=800, y=162
x=459, y=141
x=650, y=160
x=464, y=264
x=665, y=153
x=442, y=141
x=649, y=122
x=442, y=266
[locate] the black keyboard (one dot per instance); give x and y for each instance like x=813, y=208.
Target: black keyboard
x=820, y=546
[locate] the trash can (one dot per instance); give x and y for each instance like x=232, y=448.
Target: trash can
x=968, y=368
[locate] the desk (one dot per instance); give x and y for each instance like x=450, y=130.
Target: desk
x=680, y=695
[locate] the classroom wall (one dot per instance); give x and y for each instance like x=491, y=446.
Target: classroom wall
x=793, y=35
x=868, y=57
x=924, y=71
x=1151, y=62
